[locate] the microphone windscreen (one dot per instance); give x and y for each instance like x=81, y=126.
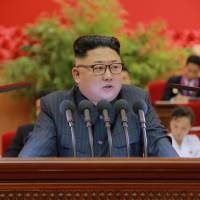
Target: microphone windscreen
x=103, y=105
x=121, y=104
x=85, y=104
x=140, y=105
x=67, y=105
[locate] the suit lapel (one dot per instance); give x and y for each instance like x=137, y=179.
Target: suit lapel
x=119, y=142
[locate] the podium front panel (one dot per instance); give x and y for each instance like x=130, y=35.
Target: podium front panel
x=103, y=178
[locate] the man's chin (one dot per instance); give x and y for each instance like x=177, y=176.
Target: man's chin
x=108, y=97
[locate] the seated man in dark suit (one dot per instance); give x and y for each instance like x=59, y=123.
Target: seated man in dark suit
x=190, y=77
x=97, y=74
x=19, y=140
x=23, y=131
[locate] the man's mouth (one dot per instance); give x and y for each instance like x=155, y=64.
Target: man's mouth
x=108, y=87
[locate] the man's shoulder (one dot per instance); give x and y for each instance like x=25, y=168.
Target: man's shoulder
x=23, y=131
x=174, y=79
x=52, y=101
x=26, y=127
x=192, y=138
x=131, y=91
x=59, y=96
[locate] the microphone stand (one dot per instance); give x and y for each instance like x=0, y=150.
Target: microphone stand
x=144, y=134
x=125, y=128
x=89, y=126
x=71, y=125
x=108, y=130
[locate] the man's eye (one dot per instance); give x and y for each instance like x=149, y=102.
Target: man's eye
x=115, y=66
x=99, y=68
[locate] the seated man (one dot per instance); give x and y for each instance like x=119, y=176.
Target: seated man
x=126, y=79
x=190, y=77
x=23, y=131
x=97, y=74
x=181, y=122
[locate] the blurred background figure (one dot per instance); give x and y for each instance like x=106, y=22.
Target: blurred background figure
x=23, y=131
x=185, y=144
x=196, y=49
x=189, y=77
x=126, y=79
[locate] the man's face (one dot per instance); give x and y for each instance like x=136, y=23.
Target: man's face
x=191, y=71
x=98, y=87
x=180, y=127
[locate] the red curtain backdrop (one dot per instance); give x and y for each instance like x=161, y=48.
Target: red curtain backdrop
x=180, y=14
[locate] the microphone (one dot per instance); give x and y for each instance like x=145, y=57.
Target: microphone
x=104, y=107
x=68, y=108
x=85, y=107
x=140, y=108
x=121, y=106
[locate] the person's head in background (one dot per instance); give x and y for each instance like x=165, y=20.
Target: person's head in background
x=125, y=74
x=181, y=121
x=98, y=66
x=192, y=67
x=37, y=99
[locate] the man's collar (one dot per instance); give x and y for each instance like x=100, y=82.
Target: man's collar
x=78, y=97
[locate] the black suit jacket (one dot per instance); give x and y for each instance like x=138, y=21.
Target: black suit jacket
x=19, y=140
x=52, y=136
x=170, y=92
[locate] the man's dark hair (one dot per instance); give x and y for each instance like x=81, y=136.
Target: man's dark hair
x=89, y=42
x=183, y=111
x=193, y=59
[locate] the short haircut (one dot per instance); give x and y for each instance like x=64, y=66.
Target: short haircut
x=193, y=59
x=183, y=111
x=89, y=42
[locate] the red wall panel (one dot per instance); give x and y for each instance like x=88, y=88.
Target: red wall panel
x=180, y=14
x=21, y=12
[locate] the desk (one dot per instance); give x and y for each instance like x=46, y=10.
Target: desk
x=164, y=109
x=100, y=178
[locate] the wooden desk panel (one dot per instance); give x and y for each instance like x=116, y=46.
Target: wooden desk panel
x=126, y=178
x=164, y=109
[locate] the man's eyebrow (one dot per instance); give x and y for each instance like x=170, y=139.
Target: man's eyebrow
x=100, y=61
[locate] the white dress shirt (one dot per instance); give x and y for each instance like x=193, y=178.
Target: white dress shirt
x=189, y=148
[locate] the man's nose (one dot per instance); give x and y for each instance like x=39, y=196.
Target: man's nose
x=107, y=75
x=179, y=131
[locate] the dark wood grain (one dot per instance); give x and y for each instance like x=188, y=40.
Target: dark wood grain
x=103, y=178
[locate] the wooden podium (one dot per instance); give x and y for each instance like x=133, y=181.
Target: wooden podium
x=103, y=178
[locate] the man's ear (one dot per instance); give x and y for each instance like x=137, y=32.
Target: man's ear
x=76, y=74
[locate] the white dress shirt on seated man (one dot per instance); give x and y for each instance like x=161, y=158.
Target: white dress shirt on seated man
x=190, y=146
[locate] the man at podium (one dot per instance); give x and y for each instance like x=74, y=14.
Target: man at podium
x=97, y=74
